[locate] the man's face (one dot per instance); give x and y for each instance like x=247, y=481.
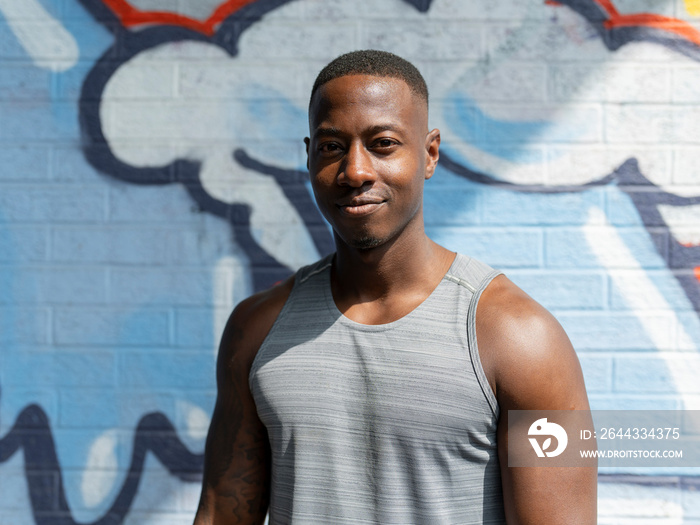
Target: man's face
x=368, y=156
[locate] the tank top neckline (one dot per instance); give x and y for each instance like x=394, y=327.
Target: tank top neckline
x=335, y=312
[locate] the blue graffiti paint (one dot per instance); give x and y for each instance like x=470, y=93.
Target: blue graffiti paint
x=32, y=432
x=506, y=139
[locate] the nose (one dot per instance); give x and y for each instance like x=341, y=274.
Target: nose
x=357, y=168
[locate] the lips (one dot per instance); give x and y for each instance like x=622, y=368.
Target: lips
x=360, y=205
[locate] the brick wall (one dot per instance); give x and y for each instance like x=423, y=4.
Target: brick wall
x=152, y=175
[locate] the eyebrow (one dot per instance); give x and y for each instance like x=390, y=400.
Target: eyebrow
x=334, y=132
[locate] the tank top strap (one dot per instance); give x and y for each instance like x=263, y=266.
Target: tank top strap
x=471, y=273
x=305, y=273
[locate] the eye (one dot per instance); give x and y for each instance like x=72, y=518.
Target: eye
x=384, y=144
x=329, y=148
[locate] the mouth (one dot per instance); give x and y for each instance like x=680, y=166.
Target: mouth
x=360, y=206
x=361, y=209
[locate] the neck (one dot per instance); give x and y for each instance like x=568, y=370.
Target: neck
x=399, y=266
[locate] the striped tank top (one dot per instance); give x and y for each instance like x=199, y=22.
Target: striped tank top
x=391, y=423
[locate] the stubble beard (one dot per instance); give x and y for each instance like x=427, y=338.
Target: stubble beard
x=365, y=243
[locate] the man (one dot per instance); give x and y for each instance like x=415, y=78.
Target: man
x=355, y=392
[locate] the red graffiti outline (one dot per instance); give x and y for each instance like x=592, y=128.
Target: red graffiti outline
x=132, y=17
x=665, y=23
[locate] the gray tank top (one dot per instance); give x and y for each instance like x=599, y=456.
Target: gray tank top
x=392, y=423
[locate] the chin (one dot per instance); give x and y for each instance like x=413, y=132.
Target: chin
x=365, y=243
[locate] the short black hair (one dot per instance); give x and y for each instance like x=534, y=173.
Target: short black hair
x=376, y=63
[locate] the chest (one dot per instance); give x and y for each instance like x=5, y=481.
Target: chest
x=414, y=383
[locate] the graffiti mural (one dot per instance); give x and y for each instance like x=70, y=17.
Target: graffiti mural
x=154, y=175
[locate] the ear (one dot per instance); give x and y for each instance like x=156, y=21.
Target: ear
x=307, y=141
x=432, y=148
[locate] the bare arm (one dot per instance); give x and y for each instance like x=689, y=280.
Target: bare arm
x=531, y=365
x=235, y=489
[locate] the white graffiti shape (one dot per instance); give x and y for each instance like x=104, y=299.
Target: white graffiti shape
x=43, y=37
x=576, y=116
x=144, y=99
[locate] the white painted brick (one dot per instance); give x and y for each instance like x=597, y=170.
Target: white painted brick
x=565, y=37
x=685, y=84
x=611, y=82
x=417, y=40
x=686, y=167
x=584, y=121
x=298, y=41
x=329, y=12
x=648, y=6
x=229, y=79
x=196, y=121
x=583, y=163
x=487, y=11
x=650, y=124
x=96, y=486
x=508, y=82
x=150, y=80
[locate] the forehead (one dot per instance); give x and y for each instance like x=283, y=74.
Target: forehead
x=367, y=97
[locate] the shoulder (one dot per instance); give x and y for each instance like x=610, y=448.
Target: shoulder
x=249, y=324
x=525, y=352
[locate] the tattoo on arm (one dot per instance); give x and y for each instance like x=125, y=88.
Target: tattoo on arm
x=242, y=489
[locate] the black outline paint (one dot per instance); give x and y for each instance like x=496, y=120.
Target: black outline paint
x=265, y=269
x=645, y=195
x=617, y=37
x=32, y=433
